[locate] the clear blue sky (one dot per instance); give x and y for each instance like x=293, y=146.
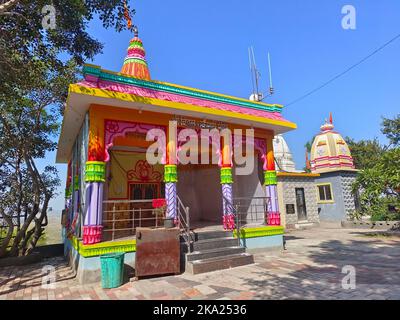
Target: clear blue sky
x=203, y=44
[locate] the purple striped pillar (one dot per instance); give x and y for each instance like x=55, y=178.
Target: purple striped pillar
x=227, y=207
x=228, y=217
x=273, y=217
x=171, y=201
x=170, y=179
x=92, y=224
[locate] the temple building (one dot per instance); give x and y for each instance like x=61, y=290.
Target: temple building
x=324, y=193
x=297, y=194
x=111, y=119
x=331, y=159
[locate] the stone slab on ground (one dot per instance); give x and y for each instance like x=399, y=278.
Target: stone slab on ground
x=310, y=268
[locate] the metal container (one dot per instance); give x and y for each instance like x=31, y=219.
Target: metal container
x=157, y=251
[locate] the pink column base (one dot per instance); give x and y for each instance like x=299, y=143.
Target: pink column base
x=273, y=219
x=229, y=222
x=92, y=234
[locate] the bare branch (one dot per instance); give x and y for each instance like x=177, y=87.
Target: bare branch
x=7, y=6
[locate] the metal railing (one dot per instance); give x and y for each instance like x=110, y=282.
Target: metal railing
x=247, y=211
x=122, y=217
x=251, y=210
x=184, y=223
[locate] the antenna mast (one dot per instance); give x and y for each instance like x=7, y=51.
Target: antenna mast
x=271, y=87
x=251, y=71
x=255, y=76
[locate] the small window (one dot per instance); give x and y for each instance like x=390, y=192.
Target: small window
x=325, y=192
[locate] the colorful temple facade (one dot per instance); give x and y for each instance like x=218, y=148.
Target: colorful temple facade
x=111, y=186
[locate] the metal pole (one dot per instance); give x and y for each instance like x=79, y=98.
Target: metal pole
x=188, y=228
x=113, y=229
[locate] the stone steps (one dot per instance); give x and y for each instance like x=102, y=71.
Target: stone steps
x=212, y=253
x=206, y=235
x=214, y=243
x=215, y=250
x=219, y=263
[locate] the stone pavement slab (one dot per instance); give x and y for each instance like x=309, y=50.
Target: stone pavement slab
x=310, y=268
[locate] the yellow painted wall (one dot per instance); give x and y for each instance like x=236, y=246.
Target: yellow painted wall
x=121, y=162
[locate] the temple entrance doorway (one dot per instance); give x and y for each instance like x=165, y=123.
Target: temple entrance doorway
x=199, y=188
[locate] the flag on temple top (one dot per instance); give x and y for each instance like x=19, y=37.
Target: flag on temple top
x=127, y=16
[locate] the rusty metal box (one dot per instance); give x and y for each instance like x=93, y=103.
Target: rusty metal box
x=157, y=251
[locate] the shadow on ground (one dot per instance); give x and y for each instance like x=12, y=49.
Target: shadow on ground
x=31, y=276
x=376, y=265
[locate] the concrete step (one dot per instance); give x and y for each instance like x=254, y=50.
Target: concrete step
x=204, y=235
x=213, y=253
x=219, y=263
x=304, y=225
x=214, y=243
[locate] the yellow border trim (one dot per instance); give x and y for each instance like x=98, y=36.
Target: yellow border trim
x=101, y=93
x=264, y=231
x=325, y=201
x=296, y=174
x=101, y=248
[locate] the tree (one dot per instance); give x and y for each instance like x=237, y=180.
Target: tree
x=33, y=86
x=379, y=179
x=391, y=129
x=26, y=42
x=308, y=147
x=27, y=130
x=365, y=153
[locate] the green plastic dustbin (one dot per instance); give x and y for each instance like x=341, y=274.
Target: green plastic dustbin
x=112, y=270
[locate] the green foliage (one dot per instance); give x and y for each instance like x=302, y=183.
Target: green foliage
x=25, y=46
x=379, y=181
x=308, y=147
x=365, y=153
x=391, y=129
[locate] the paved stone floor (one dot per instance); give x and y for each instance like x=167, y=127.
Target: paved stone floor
x=309, y=268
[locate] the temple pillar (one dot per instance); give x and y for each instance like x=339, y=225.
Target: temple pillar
x=171, y=174
x=170, y=179
x=228, y=217
x=270, y=182
x=75, y=204
x=68, y=197
x=92, y=223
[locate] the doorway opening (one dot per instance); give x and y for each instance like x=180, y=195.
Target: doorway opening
x=199, y=188
x=301, y=204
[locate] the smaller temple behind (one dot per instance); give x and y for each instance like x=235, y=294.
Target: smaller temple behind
x=296, y=189
x=325, y=193
x=332, y=160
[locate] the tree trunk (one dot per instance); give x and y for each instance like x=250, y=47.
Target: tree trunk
x=7, y=239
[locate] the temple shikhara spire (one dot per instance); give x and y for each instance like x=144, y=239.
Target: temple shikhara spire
x=330, y=151
x=135, y=63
